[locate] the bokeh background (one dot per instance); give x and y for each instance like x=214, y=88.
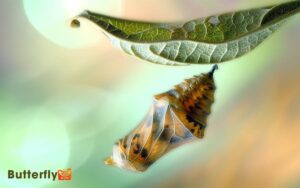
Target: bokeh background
x=67, y=95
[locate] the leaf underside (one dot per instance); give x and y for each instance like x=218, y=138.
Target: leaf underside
x=213, y=39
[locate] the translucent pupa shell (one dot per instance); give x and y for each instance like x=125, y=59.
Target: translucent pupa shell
x=175, y=118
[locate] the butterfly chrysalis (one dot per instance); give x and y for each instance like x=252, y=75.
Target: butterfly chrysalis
x=175, y=118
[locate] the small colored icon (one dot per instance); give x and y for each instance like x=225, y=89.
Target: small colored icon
x=65, y=174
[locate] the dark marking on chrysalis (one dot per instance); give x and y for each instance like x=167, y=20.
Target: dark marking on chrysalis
x=174, y=140
x=176, y=117
x=165, y=134
x=136, y=136
x=144, y=153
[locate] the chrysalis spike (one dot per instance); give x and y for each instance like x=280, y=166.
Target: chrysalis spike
x=211, y=73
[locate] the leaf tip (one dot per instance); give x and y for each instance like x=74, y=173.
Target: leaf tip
x=75, y=23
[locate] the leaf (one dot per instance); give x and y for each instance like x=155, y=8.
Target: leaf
x=213, y=39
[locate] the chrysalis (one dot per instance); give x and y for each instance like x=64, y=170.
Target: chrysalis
x=175, y=118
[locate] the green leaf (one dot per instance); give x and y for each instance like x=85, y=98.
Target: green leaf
x=213, y=39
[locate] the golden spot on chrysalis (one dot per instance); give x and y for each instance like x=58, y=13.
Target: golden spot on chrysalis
x=109, y=161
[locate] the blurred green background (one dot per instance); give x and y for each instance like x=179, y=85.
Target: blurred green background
x=67, y=95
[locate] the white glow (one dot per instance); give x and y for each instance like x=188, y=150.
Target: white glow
x=73, y=7
x=35, y=140
x=52, y=19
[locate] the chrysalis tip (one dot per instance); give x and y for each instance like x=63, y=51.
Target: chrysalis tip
x=109, y=161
